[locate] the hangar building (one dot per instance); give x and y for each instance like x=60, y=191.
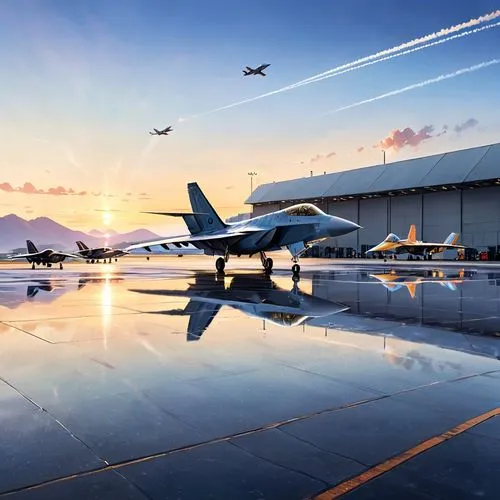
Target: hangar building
x=457, y=191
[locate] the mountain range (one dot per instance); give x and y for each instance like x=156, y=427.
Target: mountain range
x=44, y=232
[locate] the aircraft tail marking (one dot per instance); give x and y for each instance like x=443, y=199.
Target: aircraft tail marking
x=31, y=247
x=452, y=239
x=412, y=234
x=208, y=220
x=81, y=245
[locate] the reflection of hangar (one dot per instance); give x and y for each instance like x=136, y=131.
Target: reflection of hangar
x=457, y=191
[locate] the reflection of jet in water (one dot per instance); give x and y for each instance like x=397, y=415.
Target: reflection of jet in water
x=393, y=281
x=394, y=244
x=16, y=293
x=92, y=278
x=255, y=295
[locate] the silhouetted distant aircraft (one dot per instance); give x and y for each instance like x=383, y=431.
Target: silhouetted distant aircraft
x=46, y=257
x=165, y=131
x=256, y=71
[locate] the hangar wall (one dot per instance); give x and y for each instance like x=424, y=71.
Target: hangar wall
x=475, y=213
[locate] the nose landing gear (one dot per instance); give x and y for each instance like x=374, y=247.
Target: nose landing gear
x=220, y=264
x=296, y=269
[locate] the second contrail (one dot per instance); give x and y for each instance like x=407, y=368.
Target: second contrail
x=400, y=50
x=414, y=86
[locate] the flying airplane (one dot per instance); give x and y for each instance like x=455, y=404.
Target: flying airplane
x=253, y=294
x=394, y=281
x=46, y=257
x=256, y=71
x=101, y=253
x=293, y=227
x=411, y=245
x=161, y=132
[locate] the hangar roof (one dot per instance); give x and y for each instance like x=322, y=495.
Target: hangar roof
x=453, y=168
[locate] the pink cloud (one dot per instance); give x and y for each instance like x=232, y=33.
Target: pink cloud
x=398, y=139
x=360, y=149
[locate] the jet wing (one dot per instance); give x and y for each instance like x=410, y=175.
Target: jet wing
x=192, y=238
x=69, y=255
x=24, y=255
x=435, y=245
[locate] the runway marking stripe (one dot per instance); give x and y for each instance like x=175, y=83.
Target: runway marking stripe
x=378, y=470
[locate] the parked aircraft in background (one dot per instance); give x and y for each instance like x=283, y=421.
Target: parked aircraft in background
x=257, y=71
x=394, y=281
x=46, y=257
x=165, y=131
x=253, y=294
x=95, y=254
x=293, y=227
x=411, y=245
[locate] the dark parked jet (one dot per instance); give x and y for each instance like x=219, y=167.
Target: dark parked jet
x=46, y=257
x=161, y=132
x=256, y=71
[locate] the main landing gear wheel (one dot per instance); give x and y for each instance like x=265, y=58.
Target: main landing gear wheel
x=33, y=266
x=220, y=264
x=268, y=264
x=60, y=266
x=295, y=269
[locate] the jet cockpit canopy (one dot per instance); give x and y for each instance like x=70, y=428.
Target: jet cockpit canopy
x=303, y=210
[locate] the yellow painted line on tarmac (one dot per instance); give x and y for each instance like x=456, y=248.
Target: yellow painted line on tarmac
x=377, y=470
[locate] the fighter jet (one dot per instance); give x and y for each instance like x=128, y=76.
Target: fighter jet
x=46, y=257
x=256, y=71
x=293, y=227
x=253, y=294
x=95, y=254
x=161, y=132
x=394, y=281
x=394, y=244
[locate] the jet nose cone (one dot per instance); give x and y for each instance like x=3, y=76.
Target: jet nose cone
x=341, y=226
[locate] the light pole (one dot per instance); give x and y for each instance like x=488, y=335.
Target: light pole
x=383, y=152
x=251, y=174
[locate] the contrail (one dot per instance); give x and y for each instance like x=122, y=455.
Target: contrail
x=420, y=84
x=412, y=43
x=398, y=54
x=411, y=46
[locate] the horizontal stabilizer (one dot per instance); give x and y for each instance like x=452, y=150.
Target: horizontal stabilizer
x=175, y=214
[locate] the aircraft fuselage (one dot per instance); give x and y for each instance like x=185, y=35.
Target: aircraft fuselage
x=47, y=256
x=277, y=230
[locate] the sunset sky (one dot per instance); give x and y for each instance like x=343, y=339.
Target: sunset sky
x=84, y=81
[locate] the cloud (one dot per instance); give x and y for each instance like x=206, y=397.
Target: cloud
x=144, y=198
x=319, y=157
x=470, y=123
x=143, y=194
x=5, y=186
x=29, y=188
x=360, y=149
x=229, y=187
x=398, y=139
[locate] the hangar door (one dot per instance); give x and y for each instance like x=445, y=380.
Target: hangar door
x=405, y=211
x=481, y=217
x=373, y=220
x=347, y=210
x=441, y=215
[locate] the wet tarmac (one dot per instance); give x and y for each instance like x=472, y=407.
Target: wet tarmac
x=161, y=380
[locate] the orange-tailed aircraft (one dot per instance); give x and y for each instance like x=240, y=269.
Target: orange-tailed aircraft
x=411, y=245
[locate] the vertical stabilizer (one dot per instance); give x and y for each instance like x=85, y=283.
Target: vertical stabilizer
x=452, y=239
x=205, y=215
x=412, y=234
x=31, y=247
x=81, y=245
